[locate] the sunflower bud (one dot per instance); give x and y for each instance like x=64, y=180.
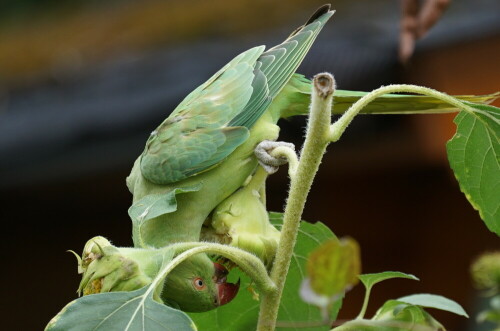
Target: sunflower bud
x=107, y=268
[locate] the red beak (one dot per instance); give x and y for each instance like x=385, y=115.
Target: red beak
x=226, y=291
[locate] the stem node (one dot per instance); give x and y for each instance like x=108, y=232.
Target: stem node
x=324, y=84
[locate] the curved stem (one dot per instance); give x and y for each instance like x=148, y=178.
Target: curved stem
x=290, y=155
x=247, y=262
x=314, y=147
x=338, y=128
x=174, y=263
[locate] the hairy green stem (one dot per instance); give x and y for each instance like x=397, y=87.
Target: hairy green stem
x=175, y=262
x=338, y=128
x=319, y=133
x=247, y=262
x=314, y=147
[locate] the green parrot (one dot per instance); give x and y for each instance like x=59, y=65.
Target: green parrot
x=203, y=153
x=198, y=176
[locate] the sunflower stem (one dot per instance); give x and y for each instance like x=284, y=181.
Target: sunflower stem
x=317, y=138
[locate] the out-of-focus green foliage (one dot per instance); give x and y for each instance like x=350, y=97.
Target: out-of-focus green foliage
x=486, y=276
x=334, y=266
x=486, y=272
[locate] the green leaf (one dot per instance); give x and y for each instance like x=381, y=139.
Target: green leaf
x=242, y=312
x=434, y=301
x=474, y=153
x=120, y=311
x=371, y=279
x=154, y=205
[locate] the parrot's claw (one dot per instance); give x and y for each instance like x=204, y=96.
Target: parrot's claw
x=266, y=160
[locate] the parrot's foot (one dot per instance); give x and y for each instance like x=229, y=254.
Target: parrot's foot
x=269, y=162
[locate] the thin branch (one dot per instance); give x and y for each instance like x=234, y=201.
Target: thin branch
x=338, y=128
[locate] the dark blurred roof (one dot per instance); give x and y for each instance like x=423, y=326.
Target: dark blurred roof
x=100, y=118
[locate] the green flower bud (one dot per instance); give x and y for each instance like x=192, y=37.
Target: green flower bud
x=107, y=268
x=93, y=250
x=486, y=272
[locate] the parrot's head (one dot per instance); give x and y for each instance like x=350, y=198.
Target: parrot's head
x=198, y=285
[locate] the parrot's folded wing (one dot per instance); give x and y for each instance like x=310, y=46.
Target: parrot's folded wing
x=196, y=136
x=213, y=120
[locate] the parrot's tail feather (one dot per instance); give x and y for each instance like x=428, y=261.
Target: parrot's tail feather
x=317, y=14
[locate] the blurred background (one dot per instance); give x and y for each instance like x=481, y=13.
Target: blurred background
x=83, y=83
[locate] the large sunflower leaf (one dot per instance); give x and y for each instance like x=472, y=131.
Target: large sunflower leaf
x=120, y=311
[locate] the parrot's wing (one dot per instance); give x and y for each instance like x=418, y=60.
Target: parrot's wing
x=196, y=135
x=213, y=120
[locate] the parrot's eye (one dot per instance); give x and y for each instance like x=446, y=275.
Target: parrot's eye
x=199, y=284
